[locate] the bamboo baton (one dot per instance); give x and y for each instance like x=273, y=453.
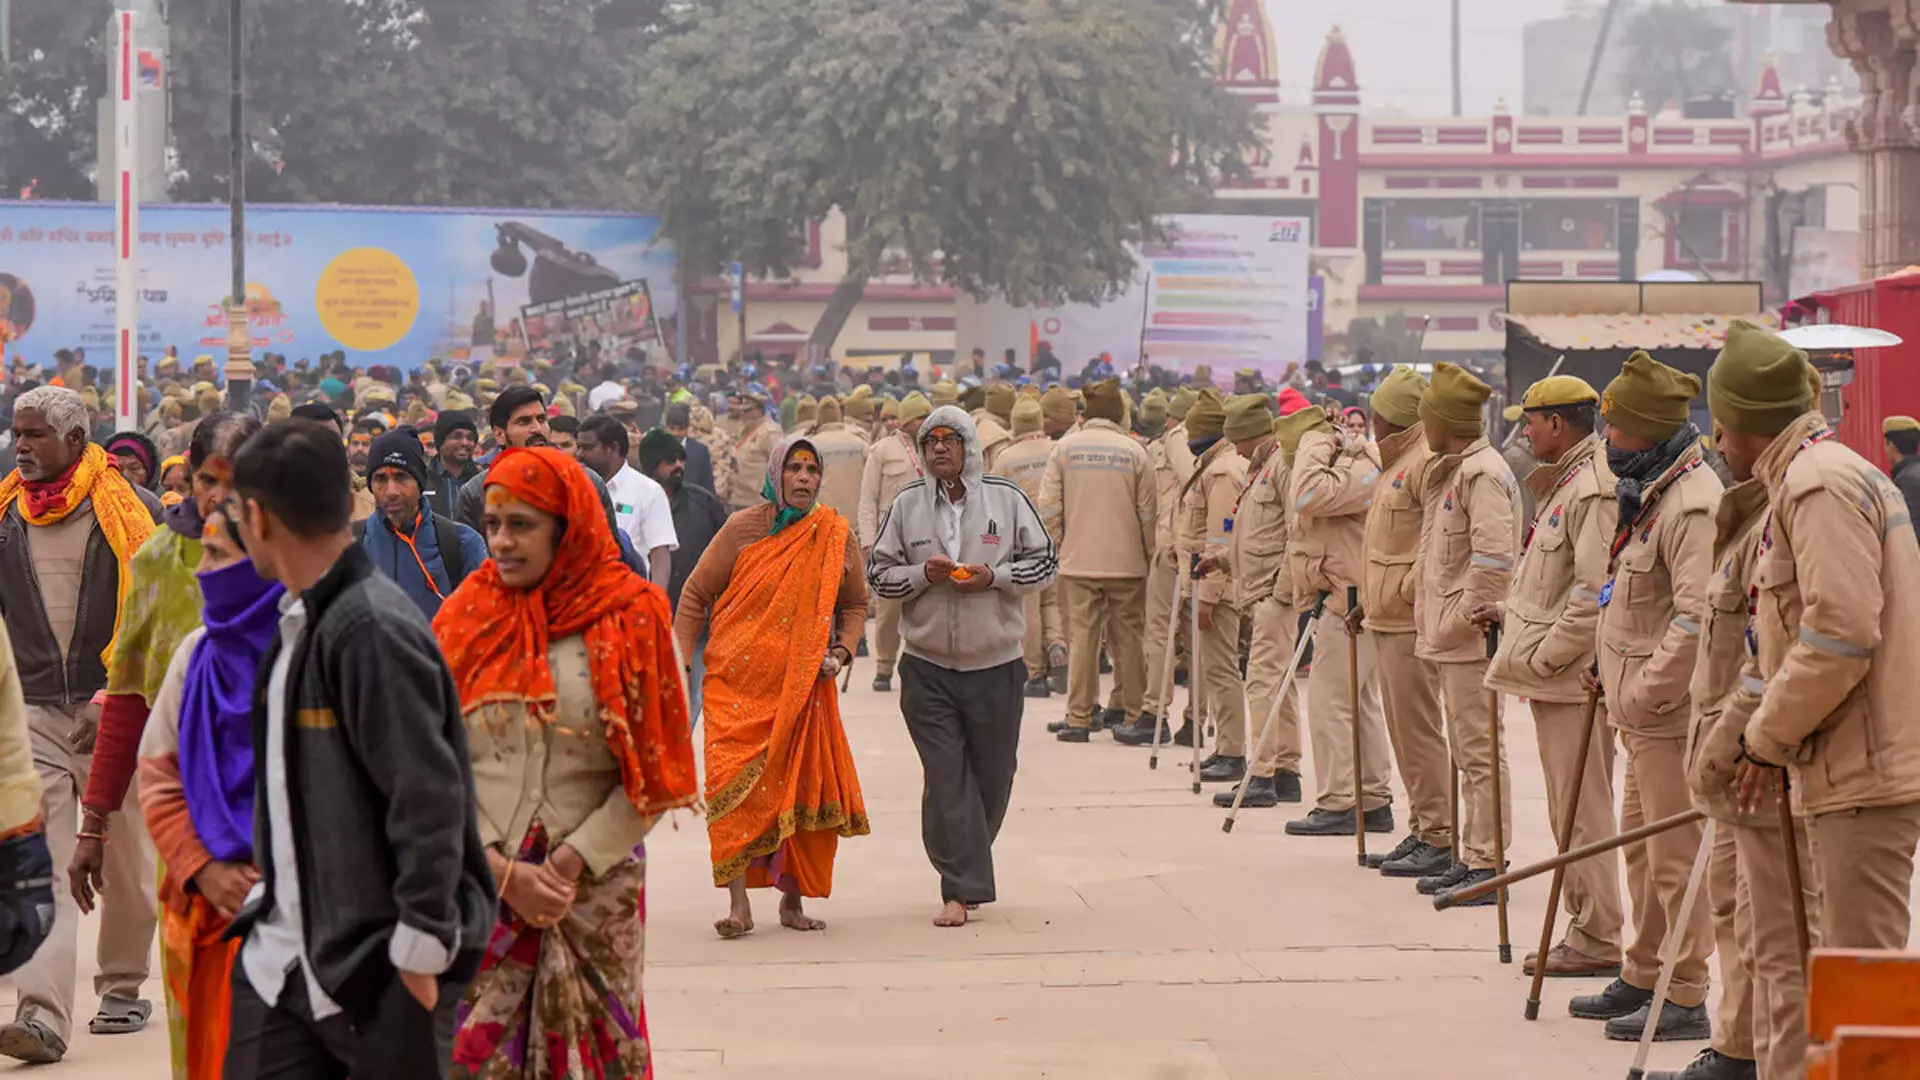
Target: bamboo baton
x=1499, y=803
x=1353, y=704
x=1669, y=951
x=1450, y=897
x=1195, y=676
x=1165, y=720
x=1791, y=843
x=1273, y=714
x=1559, y=872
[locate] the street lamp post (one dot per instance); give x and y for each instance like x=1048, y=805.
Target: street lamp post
x=239, y=334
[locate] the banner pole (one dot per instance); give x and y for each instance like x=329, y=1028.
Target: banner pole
x=126, y=304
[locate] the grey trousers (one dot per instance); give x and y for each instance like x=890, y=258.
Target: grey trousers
x=966, y=727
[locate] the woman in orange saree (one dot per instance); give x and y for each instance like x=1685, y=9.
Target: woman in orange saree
x=785, y=589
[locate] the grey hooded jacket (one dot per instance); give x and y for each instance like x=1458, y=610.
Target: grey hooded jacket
x=999, y=528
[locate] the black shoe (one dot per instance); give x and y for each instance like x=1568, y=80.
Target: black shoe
x=1139, y=732
x=1223, y=770
x=1471, y=878
x=1179, y=676
x=1260, y=794
x=1055, y=727
x=1445, y=879
x=1286, y=786
x=860, y=650
x=883, y=683
x=1074, y=734
x=1377, y=859
x=1379, y=819
x=1620, y=998
x=1320, y=822
x=1184, y=737
x=1711, y=1065
x=1424, y=860
x=1110, y=719
x=1037, y=688
x=1677, y=1024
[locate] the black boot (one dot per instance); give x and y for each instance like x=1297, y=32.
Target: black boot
x=1074, y=734
x=1223, y=770
x=1424, y=860
x=1379, y=819
x=1260, y=794
x=1184, y=737
x=1286, y=786
x=1445, y=879
x=1037, y=688
x=1471, y=878
x=1110, y=719
x=883, y=683
x=1678, y=1023
x=1711, y=1065
x=1620, y=998
x=1139, y=732
x=1320, y=822
x=1098, y=721
x=1377, y=859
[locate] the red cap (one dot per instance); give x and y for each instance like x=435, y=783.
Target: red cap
x=1292, y=401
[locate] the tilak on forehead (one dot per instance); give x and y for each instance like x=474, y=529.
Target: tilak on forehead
x=803, y=454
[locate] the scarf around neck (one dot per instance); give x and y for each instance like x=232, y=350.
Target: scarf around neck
x=216, y=707
x=1635, y=469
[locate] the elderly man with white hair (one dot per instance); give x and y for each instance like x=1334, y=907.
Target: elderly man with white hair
x=69, y=524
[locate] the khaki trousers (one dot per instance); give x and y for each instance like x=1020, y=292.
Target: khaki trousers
x=127, y=907
x=1657, y=870
x=1410, y=690
x=1330, y=711
x=1470, y=736
x=1275, y=629
x=886, y=635
x=1863, y=860
x=1591, y=890
x=1159, y=696
x=1221, y=692
x=1733, y=946
x=1769, y=942
x=1115, y=608
x=1044, y=629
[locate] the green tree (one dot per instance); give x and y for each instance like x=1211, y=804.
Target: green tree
x=1018, y=148
x=49, y=98
x=1677, y=50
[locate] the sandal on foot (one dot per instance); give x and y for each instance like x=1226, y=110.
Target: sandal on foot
x=29, y=1039
x=120, y=1016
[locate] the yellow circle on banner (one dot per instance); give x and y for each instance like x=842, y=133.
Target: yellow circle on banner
x=367, y=299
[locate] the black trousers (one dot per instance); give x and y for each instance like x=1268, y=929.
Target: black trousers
x=398, y=1041
x=966, y=726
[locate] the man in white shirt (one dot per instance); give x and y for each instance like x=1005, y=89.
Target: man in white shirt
x=605, y=393
x=640, y=505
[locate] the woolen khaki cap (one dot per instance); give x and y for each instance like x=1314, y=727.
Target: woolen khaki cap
x=1759, y=384
x=915, y=407
x=1026, y=416
x=1058, y=406
x=1248, y=416
x=945, y=393
x=1898, y=423
x=1555, y=391
x=1000, y=400
x=860, y=406
x=828, y=411
x=1153, y=407
x=1106, y=401
x=1183, y=400
x=1208, y=415
x=1397, y=398
x=1648, y=399
x=1452, y=402
x=890, y=410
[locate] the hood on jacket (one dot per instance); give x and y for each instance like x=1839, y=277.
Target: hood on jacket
x=952, y=416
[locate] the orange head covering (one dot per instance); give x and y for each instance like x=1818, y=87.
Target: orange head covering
x=495, y=636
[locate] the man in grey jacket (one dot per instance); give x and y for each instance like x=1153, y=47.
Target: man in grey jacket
x=959, y=550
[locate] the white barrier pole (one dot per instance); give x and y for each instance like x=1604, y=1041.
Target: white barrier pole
x=126, y=162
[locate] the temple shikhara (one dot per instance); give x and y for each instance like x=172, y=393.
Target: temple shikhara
x=1426, y=219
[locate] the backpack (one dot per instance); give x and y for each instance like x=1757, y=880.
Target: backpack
x=446, y=534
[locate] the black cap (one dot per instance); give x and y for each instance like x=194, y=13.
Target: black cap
x=398, y=449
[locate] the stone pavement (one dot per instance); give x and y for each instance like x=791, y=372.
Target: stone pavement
x=1133, y=940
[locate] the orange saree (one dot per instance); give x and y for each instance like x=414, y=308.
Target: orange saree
x=781, y=788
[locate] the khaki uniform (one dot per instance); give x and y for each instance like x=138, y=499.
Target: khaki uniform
x=1547, y=640
x=892, y=464
x=1257, y=560
x=1205, y=508
x=750, y=454
x=843, y=460
x=1470, y=536
x=1763, y=990
x=1333, y=485
x=1409, y=684
x=1172, y=465
x=1098, y=502
x=1649, y=636
x=1023, y=460
x=994, y=436
x=1836, y=633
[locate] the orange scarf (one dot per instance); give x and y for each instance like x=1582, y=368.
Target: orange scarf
x=123, y=519
x=495, y=637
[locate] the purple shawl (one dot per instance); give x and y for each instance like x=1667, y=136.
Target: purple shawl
x=216, y=708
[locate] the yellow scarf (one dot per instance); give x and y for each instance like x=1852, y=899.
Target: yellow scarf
x=123, y=518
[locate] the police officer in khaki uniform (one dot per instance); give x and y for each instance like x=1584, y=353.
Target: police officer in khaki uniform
x=759, y=433
x=1098, y=502
x=1257, y=560
x=1172, y=464
x=1206, y=508
x=843, y=459
x=1409, y=685
x=1059, y=412
x=1649, y=636
x=1836, y=586
x=1024, y=461
x=992, y=419
x=859, y=411
x=1549, y=621
x=1334, y=477
x=1470, y=540
x=892, y=464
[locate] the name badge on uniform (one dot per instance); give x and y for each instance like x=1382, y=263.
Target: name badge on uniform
x=1229, y=524
x=1606, y=593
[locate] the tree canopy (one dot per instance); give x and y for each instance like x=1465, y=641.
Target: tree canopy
x=1677, y=50
x=1013, y=148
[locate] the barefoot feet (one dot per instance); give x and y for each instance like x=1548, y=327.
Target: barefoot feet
x=953, y=914
x=793, y=918
x=739, y=920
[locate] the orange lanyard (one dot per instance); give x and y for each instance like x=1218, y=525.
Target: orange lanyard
x=407, y=539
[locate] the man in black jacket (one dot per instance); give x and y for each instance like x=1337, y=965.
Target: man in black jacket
x=375, y=901
x=1903, y=450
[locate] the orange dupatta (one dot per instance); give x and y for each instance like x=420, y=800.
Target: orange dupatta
x=780, y=777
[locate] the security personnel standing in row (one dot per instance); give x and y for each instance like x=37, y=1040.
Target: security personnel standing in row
x=892, y=464
x=1206, y=508
x=1172, y=463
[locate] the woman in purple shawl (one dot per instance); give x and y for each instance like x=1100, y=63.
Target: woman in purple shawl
x=196, y=791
